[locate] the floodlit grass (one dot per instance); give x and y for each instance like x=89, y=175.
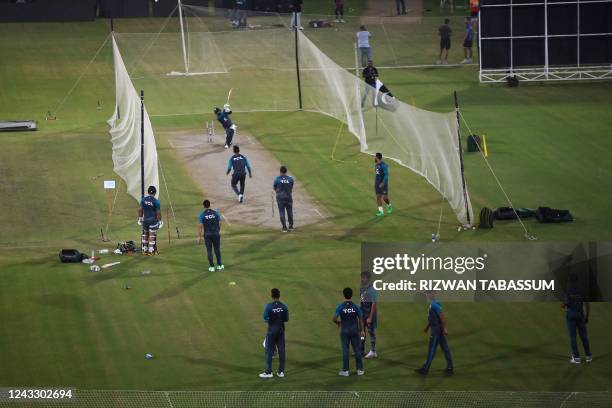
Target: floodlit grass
x=63, y=325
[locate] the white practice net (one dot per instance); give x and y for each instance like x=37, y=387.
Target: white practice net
x=259, y=63
x=126, y=134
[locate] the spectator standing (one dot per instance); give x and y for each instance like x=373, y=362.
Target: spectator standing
x=445, y=41
x=339, y=11
x=363, y=42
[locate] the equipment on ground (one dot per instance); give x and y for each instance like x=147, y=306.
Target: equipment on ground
x=552, y=215
x=473, y=143
x=486, y=218
x=71, y=256
x=126, y=247
x=509, y=213
x=18, y=125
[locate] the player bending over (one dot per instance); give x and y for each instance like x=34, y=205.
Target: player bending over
x=225, y=120
x=381, y=185
x=149, y=217
x=240, y=164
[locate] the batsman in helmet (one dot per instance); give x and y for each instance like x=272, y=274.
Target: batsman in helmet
x=149, y=217
x=223, y=116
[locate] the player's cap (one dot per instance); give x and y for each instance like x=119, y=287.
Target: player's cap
x=152, y=190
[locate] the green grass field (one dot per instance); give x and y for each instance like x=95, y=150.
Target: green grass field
x=63, y=325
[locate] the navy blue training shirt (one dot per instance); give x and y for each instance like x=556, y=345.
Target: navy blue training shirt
x=349, y=314
x=239, y=163
x=150, y=206
x=211, y=221
x=276, y=314
x=283, y=185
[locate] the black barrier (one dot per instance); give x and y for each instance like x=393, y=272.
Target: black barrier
x=48, y=10
x=122, y=8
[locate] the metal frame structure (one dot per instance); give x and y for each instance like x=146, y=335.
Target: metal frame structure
x=544, y=72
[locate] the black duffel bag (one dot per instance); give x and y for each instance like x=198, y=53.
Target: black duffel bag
x=70, y=256
x=551, y=215
x=486, y=218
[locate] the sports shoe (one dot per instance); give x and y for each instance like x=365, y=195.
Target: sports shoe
x=291, y=228
x=588, y=359
x=226, y=146
x=220, y=267
x=575, y=360
x=284, y=230
x=342, y=20
x=449, y=371
x=280, y=374
x=389, y=209
x=421, y=371
x=343, y=373
x=360, y=372
x=371, y=354
x=241, y=197
x=266, y=375
x=211, y=269
x=301, y=28
x=336, y=20
x=445, y=62
x=465, y=61
x=438, y=62
x=380, y=213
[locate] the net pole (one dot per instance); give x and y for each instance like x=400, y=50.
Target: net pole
x=180, y=11
x=142, y=158
x=297, y=67
x=465, y=199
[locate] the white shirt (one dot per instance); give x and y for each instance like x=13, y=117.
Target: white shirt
x=363, y=39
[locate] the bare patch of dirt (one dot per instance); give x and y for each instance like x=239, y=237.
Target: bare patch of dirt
x=207, y=164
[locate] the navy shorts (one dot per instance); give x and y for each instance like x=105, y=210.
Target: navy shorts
x=467, y=44
x=445, y=44
x=381, y=191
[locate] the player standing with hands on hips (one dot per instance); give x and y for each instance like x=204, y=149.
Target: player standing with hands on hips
x=381, y=185
x=209, y=226
x=283, y=186
x=276, y=314
x=240, y=164
x=225, y=120
x=149, y=217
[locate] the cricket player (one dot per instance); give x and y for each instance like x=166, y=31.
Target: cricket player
x=350, y=320
x=283, y=187
x=577, y=318
x=149, y=217
x=381, y=185
x=240, y=164
x=436, y=322
x=368, y=297
x=209, y=227
x=225, y=120
x=276, y=314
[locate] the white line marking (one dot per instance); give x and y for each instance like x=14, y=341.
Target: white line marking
x=226, y=220
x=320, y=215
